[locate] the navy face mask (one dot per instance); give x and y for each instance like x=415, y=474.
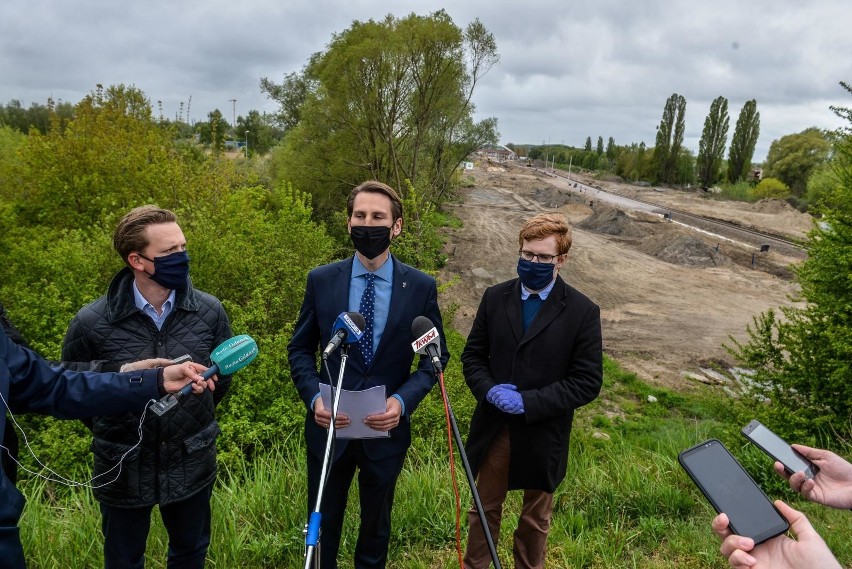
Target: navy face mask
x=370, y=240
x=170, y=271
x=535, y=276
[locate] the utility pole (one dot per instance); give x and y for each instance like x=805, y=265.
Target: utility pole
x=234, y=102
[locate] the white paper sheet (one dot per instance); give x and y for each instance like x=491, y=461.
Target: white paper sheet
x=357, y=405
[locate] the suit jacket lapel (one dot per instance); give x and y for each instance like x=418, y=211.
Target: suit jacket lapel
x=513, y=310
x=549, y=310
x=339, y=294
x=339, y=300
x=399, y=298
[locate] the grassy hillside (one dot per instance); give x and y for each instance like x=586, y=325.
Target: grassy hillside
x=625, y=503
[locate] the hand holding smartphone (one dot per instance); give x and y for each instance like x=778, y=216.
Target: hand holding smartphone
x=777, y=448
x=730, y=489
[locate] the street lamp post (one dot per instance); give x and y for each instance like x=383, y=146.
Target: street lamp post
x=247, y=154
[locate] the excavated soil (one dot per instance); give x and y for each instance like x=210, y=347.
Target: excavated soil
x=669, y=297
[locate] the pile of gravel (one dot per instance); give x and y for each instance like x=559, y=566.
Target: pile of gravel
x=685, y=250
x=611, y=222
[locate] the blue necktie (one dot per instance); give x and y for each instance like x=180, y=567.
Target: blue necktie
x=530, y=309
x=366, y=308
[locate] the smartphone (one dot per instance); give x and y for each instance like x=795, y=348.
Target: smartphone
x=181, y=359
x=730, y=489
x=777, y=448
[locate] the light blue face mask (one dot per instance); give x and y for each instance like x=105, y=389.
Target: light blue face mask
x=535, y=276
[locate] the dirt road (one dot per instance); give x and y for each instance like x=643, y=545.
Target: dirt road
x=669, y=297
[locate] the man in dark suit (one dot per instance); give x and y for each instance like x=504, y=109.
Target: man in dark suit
x=390, y=295
x=533, y=355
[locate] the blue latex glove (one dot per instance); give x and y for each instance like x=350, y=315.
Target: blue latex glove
x=492, y=394
x=508, y=400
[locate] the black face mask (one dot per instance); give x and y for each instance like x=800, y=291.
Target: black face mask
x=171, y=271
x=535, y=276
x=370, y=240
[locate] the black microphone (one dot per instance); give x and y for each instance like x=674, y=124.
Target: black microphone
x=426, y=340
x=347, y=329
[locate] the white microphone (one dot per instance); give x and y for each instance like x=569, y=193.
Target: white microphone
x=427, y=340
x=347, y=329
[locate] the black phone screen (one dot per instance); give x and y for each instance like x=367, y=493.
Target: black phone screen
x=777, y=448
x=731, y=490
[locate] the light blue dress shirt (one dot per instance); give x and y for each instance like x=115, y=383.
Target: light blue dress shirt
x=525, y=294
x=149, y=309
x=384, y=287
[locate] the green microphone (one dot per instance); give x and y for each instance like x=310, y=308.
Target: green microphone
x=231, y=355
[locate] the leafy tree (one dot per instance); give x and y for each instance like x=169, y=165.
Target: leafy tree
x=685, y=167
x=37, y=116
x=600, y=146
x=257, y=131
x=112, y=156
x=634, y=162
x=743, y=142
x=214, y=131
x=803, y=360
x=670, y=139
x=770, y=188
x=70, y=188
x=825, y=186
x=711, y=147
x=291, y=94
x=792, y=158
x=610, y=149
x=388, y=100
x=588, y=146
x=11, y=141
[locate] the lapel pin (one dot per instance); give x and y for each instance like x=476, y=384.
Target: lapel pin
x=403, y=284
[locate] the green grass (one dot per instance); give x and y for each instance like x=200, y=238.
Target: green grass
x=741, y=191
x=625, y=502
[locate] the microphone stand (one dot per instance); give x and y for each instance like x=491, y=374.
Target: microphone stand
x=470, y=480
x=312, y=528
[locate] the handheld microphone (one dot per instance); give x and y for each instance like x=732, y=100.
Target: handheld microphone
x=347, y=329
x=427, y=340
x=228, y=357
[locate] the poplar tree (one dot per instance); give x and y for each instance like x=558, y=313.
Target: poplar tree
x=670, y=139
x=743, y=142
x=610, y=148
x=711, y=147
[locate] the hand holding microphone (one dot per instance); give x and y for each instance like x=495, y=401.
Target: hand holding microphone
x=228, y=357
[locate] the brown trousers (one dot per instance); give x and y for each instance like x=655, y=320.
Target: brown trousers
x=492, y=483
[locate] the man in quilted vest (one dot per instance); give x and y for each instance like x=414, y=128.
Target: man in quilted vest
x=151, y=310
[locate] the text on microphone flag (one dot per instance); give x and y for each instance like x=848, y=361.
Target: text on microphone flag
x=352, y=326
x=425, y=339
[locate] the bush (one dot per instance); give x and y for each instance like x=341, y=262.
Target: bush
x=256, y=262
x=770, y=188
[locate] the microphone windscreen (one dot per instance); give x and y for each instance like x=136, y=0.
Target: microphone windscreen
x=358, y=319
x=420, y=326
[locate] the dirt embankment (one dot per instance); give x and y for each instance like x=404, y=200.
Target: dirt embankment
x=669, y=297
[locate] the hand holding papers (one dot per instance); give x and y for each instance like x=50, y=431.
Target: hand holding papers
x=357, y=405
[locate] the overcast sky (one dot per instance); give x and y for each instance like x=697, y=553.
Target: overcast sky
x=567, y=70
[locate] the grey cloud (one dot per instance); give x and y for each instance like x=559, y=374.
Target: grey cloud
x=567, y=70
